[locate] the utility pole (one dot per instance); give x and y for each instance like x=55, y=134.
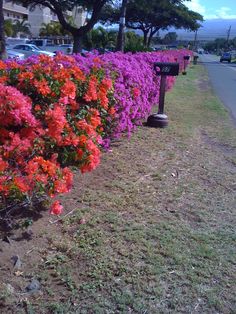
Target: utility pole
x=195, y=42
x=228, y=35
x=121, y=34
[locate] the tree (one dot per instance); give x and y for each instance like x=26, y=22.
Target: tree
x=220, y=44
x=150, y=16
x=133, y=42
x=99, y=38
x=170, y=38
x=2, y=33
x=52, y=29
x=22, y=27
x=61, y=8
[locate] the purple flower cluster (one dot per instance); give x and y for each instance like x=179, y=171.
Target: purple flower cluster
x=132, y=73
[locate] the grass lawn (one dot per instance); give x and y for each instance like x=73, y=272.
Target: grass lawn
x=150, y=231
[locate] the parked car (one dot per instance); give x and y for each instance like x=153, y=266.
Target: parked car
x=226, y=56
x=48, y=45
x=11, y=54
x=66, y=48
x=29, y=50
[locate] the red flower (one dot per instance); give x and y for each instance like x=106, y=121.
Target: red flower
x=107, y=83
x=69, y=89
x=92, y=89
x=136, y=92
x=21, y=184
x=3, y=165
x=2, y=65
x=112, y=111
x=56, y=208
x=42, y=87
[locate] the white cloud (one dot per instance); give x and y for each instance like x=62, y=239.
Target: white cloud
x=195, y=5
x=222, y=13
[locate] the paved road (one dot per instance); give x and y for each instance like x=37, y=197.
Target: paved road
x=223, y=79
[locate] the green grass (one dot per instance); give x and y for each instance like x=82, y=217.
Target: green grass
x=160, y=216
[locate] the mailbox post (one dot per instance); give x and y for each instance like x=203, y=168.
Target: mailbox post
x=186, y=58
x=195, y=59
x=163, y=69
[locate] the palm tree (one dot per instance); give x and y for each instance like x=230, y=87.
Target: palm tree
x=52, y=29
x=8, y=28
x=22, y=27
x=100, y=38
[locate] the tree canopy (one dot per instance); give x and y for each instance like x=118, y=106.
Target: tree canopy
x=61, y=8
x=150, y=16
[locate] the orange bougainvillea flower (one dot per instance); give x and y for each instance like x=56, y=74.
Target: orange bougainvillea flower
x=37, y=108
x=77, y=74
x=25, y=76
x=3, y=79
x=61, y=75
x=4, y=187
x=91, y=94
x=56, y=208
x=45, y=59
x=3, y=165
x=3, y=65
x=107, y=83
x=112, y=111
x=69, y=89
x=42, y=87
x=21, y=184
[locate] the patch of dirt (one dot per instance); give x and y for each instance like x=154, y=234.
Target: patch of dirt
x=224, y=148
x=203, y=84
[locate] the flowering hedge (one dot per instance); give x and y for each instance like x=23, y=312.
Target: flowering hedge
x=56, y=113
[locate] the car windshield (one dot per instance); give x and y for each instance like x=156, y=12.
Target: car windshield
x=35, y=47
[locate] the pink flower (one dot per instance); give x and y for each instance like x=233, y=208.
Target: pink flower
x=136, y=92
x=56, y=208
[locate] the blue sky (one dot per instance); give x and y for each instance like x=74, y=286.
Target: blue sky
x=214, y=9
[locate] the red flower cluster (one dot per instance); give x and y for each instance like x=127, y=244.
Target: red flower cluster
x=52, y=116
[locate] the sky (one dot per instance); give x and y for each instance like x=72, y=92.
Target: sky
x=214, y=9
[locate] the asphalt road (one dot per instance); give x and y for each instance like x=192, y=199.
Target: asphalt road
x=223, y=79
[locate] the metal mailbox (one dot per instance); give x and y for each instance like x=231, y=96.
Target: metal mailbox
x=163, y=69
x=167, y=68
x=186, y=57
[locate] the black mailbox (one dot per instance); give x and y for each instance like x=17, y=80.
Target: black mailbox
x=166, y=68
x=186, y=57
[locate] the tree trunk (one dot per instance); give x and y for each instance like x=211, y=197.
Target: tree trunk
x=120, y=46
x=77, y=47
x=152, y=33
x=145, y=38
x=150, y=39
x=2, y=33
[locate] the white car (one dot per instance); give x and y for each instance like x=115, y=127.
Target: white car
x=29, y=50
x=11, y=54
x=66, y=48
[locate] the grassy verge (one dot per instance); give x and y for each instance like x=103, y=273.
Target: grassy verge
x=152, y=229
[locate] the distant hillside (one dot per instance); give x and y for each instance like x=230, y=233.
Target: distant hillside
x=210, y=30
